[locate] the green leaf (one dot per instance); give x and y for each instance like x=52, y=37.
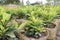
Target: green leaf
x=1, y=27
x=22, y=25
x=15, y=23
x=5, y=17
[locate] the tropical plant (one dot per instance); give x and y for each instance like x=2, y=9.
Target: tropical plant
x=48, y=14
x=4, y=29
x=33, y=27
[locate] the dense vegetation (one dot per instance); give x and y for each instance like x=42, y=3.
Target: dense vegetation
x=36, y=16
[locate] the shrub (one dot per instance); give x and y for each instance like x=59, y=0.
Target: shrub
x=33, y=27
x=4, y=29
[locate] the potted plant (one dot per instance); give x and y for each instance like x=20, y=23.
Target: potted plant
x=48, y=15
x=5, y=31
x=32, y=29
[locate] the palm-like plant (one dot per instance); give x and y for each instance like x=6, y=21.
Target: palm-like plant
x=4, y=29
x=48, y=14
x=33, y=27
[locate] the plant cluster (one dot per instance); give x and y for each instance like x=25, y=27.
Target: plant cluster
x=36, y=15
x=34, y=27
x=5, y=31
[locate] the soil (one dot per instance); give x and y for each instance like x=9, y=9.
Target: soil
x=37, y=36
x=21, y=21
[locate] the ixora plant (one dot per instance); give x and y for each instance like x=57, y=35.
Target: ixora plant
x=32, y=28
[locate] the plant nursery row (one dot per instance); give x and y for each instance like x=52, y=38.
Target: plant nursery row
x=36, y=22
